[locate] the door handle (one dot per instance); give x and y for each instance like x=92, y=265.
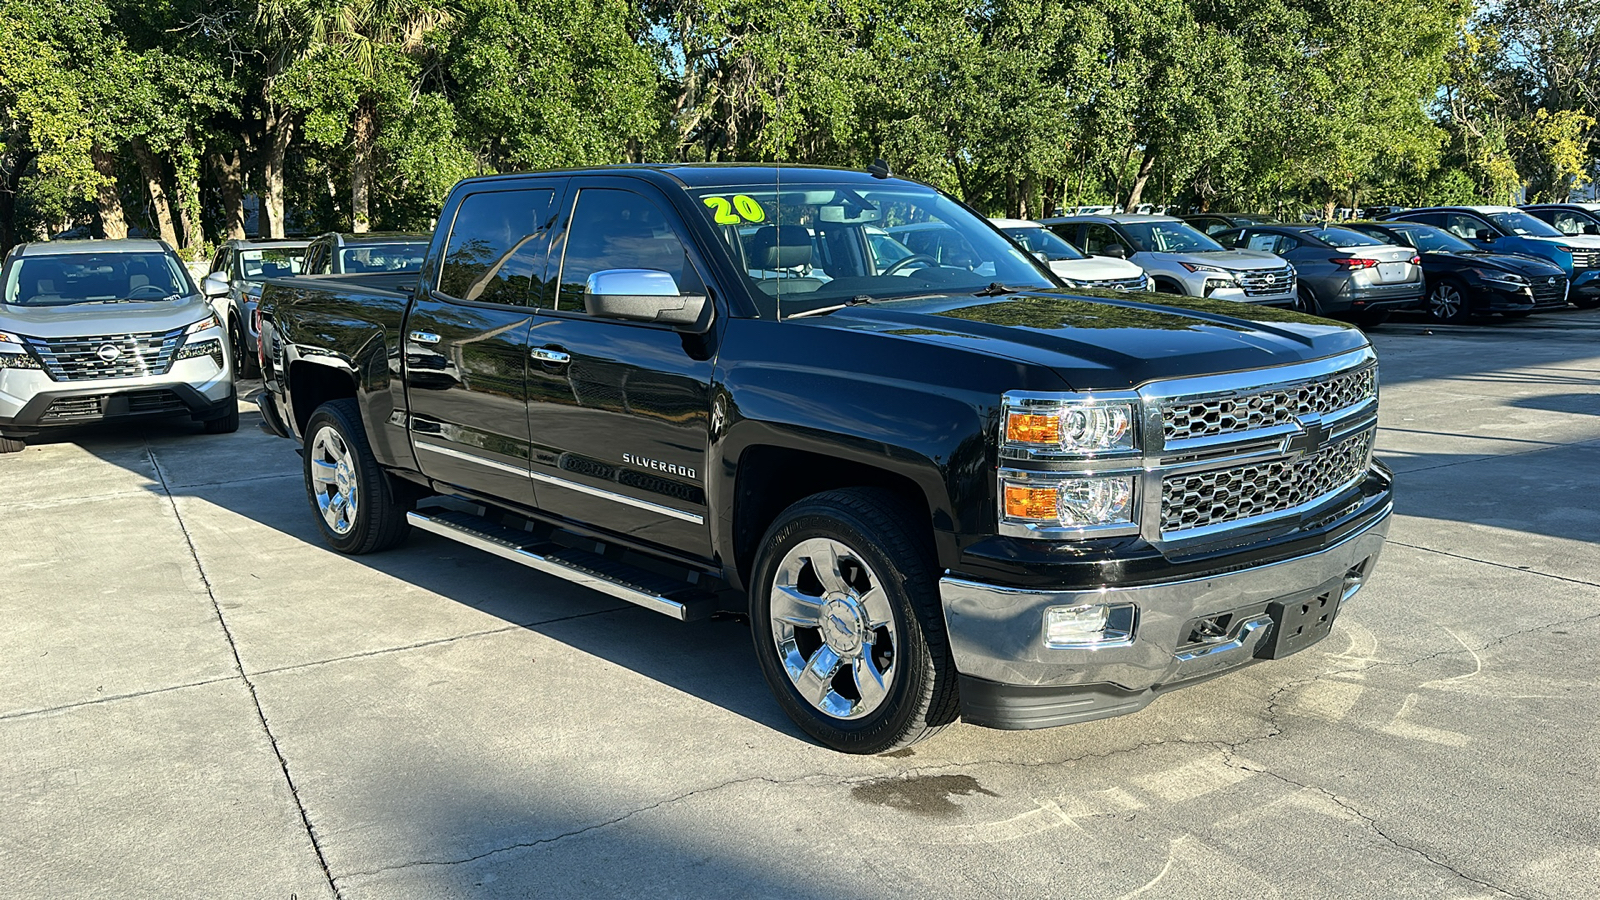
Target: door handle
x=424, y=337
x=553, y=357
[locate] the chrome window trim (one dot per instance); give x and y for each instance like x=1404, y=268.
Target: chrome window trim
x=1153, y=461
x=614, y=497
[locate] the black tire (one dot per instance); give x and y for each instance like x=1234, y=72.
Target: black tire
x=244, y=362
x=379, y=519
x=228, y=422
x=1448, y=303
x=1305, y=300
x=1372, y=318
x=11, y=445
x=1589, y=302
x=1166, y=286
x=873, y=527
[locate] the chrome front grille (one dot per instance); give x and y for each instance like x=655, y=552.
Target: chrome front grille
x=107, y=356
x=1267, y=282
x=1137, y=283
x=1203, y=499
x=1549, y=291
x=1585, y=260
x=1277, y=405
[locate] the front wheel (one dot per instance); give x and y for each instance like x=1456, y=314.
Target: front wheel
x=1587, y=302
x=11, y=445
x=1305, y=301
x=847, y=622
x=1447, y=304
x=351, y=496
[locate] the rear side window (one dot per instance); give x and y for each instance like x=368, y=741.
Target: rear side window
x=1465, y=227
x=497, y=246
x=617, y=229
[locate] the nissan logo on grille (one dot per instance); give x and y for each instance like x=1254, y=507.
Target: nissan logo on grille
x=1271, y=279
x=108, y=352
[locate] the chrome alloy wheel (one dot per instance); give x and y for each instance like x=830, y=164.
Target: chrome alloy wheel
x=1445, y=302
x=834, y=628
x=333, y=477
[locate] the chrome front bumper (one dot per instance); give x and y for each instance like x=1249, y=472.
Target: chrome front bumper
x=1011, y=679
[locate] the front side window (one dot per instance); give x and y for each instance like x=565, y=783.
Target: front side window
x=818, y=245
x=1434, y=240
x=617, y=229
x=496, y=248
x=1571, y=223
x=1098, y=240
x=67, y=278
x=1465, y=227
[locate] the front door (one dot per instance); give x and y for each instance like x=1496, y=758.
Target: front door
x=618, y=409
x=466, y=344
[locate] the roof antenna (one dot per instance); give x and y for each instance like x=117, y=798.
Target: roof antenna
x=879, y=168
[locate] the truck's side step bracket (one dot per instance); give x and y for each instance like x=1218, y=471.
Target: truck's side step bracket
x=677, y=599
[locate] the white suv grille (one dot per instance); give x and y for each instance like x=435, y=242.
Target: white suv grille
x=107, y=356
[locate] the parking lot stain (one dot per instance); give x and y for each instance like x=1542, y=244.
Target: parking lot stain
x=923, y=795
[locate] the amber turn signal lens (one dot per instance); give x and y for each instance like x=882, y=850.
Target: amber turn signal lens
x=1025, y=428
x=1039, y=504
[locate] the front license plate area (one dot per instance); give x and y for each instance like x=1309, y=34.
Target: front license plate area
x=1299, y=623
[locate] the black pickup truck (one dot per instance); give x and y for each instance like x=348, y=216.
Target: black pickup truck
x=939, y=485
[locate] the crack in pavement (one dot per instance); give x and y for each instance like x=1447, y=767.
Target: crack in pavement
x=238, y=665
x=132, y=695
x=522, y=845
x=1370, y=822
x=1490, y=562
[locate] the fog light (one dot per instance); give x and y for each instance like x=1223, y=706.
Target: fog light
x=1089, y=625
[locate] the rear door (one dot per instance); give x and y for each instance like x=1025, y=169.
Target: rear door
x=466, y=342
x=619, y=409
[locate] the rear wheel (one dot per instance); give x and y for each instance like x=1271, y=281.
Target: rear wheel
x=1306, y=301
x=244, y=362
x=1447, y=303
x=847, y=623
x=353, y=499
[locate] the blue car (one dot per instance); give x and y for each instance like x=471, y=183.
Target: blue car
x=1506, y=229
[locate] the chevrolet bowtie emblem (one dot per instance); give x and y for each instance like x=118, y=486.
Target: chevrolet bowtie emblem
x=1311, y=436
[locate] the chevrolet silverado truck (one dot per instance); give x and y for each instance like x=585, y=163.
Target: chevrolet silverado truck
x=937, y=488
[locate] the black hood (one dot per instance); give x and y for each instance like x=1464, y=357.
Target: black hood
x=1109, y=342
x=1527, y=266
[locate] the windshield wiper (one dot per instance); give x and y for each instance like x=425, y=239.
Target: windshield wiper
x=996, y=289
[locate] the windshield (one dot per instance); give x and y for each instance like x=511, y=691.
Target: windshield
x=273, y=262
x=1523, y=224
x=1435, y=240
x=1344, y=237
x=384, y=257
x=1043, y=240
x=65, y=278
x=821, y=245
x=1168, y=237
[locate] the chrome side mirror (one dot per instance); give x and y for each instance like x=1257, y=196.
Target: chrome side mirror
x=641, y=295
x=214, y=285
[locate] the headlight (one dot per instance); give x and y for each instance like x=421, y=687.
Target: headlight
x=1088, y=428
x=1215, y=270
x=210, y=321
x=1502, y=277
x=1077, y=502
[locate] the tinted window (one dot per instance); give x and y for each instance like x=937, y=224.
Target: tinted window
x=1169, y=237
x=614, y=229
x=1523, y=224
x=1433, y=240
x=1097, y=237
x=271, y=262
x=1344, y=237
x=1570, y=222
x=496, y=250
x=406, y=257
x=1042, y=240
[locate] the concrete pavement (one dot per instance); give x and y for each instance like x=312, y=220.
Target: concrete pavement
x=197, y=699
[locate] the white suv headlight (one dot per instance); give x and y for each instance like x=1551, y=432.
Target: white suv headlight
x=210, y=321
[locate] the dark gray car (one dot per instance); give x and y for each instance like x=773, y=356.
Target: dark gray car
x=1341, y=271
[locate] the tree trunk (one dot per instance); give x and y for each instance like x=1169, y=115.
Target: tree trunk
x=228, y=170
x=187, y=168
x=280, y=130
x=113, y=224
x=366, y=134
x=9, y=185
x=150, y=168
x=1140, y=180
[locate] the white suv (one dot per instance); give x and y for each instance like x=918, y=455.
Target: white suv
x=1181, y=260
x=1077, y=269
x=95, y=331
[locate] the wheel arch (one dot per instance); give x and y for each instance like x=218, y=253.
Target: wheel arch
x=312, y=383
